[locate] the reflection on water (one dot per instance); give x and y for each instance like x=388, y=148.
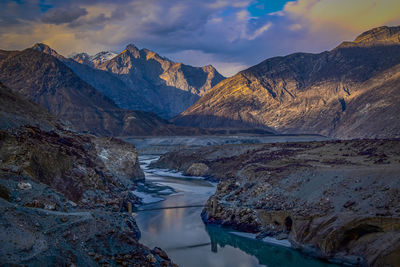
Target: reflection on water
x=188, y=242
x=267, y=254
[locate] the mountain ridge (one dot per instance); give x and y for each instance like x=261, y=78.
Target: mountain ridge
x=310, y=93
x=165, y=87
x=170, y=86
x=377, y=36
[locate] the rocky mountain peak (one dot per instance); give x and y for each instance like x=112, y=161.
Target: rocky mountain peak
x=46, y=49
x=133, y=50
x=81, y=55
x=82, y=58
x=102, y=57
x=208, y=68
x=380, y=34
x=132, y=47
x=376, y=37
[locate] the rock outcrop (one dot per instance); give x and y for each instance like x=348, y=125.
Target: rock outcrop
x=63, y=195
x=377, y=36
x=335, y=200
x=120, y=158
x=197, y=169
x=350, y=92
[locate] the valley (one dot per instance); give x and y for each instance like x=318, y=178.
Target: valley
x=133, y=159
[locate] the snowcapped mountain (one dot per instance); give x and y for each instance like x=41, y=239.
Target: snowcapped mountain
x=94, y=60
x=102, y=57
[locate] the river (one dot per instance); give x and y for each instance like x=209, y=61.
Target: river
x=170, y=219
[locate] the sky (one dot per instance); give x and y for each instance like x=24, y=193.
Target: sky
x=232, y=35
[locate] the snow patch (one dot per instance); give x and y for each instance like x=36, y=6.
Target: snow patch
x=103, y=56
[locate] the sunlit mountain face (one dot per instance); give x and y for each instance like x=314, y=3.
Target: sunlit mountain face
x=200, y=133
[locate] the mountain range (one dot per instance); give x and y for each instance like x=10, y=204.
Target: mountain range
x=141, y=79
x=146, y=81
x=108, y=93
x=46, y=80
x=351, y=91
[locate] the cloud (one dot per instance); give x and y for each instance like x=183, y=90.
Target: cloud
x=13, y=13
x=231, y=34
x=260, y=31
x=345, y=18
x=60, y=16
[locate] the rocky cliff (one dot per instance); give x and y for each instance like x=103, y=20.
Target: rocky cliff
x=63, y=195
x=151, y=82
x=351, y=91
x=335, y=200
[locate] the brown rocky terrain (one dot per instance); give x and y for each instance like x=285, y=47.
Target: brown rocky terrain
x=336, y=200
x=351, y=91
x=63, y=195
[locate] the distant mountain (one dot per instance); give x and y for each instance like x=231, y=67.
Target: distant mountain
x=151, y=82
x=351, y=91
x=82, y=58
x=102, y=57
x=46, y=80
x=94, y=61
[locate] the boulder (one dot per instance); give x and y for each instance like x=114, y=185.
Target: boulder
x=120, y=159
x=197, y=169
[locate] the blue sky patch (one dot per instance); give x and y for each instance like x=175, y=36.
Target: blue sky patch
x=259, y=8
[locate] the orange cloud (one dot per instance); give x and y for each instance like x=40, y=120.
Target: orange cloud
x=344, y=17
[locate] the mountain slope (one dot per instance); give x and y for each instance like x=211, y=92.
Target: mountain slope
x=152, y=83
x=47, y=81
x=351, y=91
x=16, y=111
